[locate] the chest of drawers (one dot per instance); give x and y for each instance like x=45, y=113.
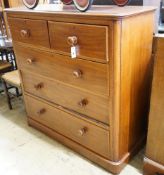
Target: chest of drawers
x=97, y=103
x=154, y=159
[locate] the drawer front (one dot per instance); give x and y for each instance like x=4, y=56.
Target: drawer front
x=90, y=41
x=83, y=74
x=85, y=133
x=30, y=31
x=80, y=101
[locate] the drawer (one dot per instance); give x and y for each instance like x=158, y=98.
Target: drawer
x=29, y=31
x=82, y=132
x=87, y=75
x=93, y=106
x=91, y=41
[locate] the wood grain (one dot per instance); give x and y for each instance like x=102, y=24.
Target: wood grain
x=92, y=43
x=69, y=126
x=94, y=75
x=136, y=76
x=116, y=78
x=155, y=150
x=37, y=31
x=152, y=168
x=66, y=96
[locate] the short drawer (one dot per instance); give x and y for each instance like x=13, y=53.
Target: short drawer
x=83, y=74
x=85, y=133
x=91, y=41
x=93, y=106
x=29, y=31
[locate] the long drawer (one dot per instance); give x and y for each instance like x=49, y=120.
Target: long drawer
x=80, y=131
x=29, y=31
x=93, y=106
x=91, y=41
x=87, y=75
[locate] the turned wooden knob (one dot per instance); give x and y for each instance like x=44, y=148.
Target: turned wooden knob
x=30, y=61
x=25, y=33
x=83, y=103
x=77, y=73
x=82, y=131
x=41, y=111
x=72, y=40
x=38, y=86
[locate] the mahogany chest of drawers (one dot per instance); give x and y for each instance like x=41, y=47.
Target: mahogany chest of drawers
x=96, y=103
x=154, y=159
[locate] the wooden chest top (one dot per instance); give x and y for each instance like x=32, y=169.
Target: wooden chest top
x=96, y=12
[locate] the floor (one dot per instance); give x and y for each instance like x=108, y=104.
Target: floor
x=26, y=151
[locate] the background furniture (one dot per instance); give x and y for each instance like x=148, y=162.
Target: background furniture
x=3, y=5
x=96, y=103
x=11, y=78
x=7, y=58
x=154, y=160
x=4, y=67
x=7, y=53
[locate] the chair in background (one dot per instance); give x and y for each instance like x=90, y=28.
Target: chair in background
x=11, y=78
x=7, y=53
x=5, y=67
x=7, y=57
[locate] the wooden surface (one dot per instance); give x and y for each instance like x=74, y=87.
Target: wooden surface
x=155, y=140
x=66, y=96
x=93, y=75
x=114, y=88
x=113, y=12
x=91, y=137
x=136, y=69
x=33, y=33
x=152, y=167
x=86, y=45
x=4, y=65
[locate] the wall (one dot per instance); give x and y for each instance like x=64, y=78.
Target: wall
x=15, y=3
x=157, y=4
x=109, y=2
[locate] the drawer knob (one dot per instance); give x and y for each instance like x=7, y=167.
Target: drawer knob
x=83, y=103
x=41, y=111
x=77, y=73
x=30, y=61
x=38, y=86
x=25, y=33
x=82, y=131
x=72, y=40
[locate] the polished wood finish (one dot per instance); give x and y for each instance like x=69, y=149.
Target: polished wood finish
x=75, y=35
x=5, y=66
x=93, y=76
x=154, y=160
x=135, y=72
x=107, y=85
x=66, y=96
x=69, y=126
x=29, y=31
x=152, y=167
